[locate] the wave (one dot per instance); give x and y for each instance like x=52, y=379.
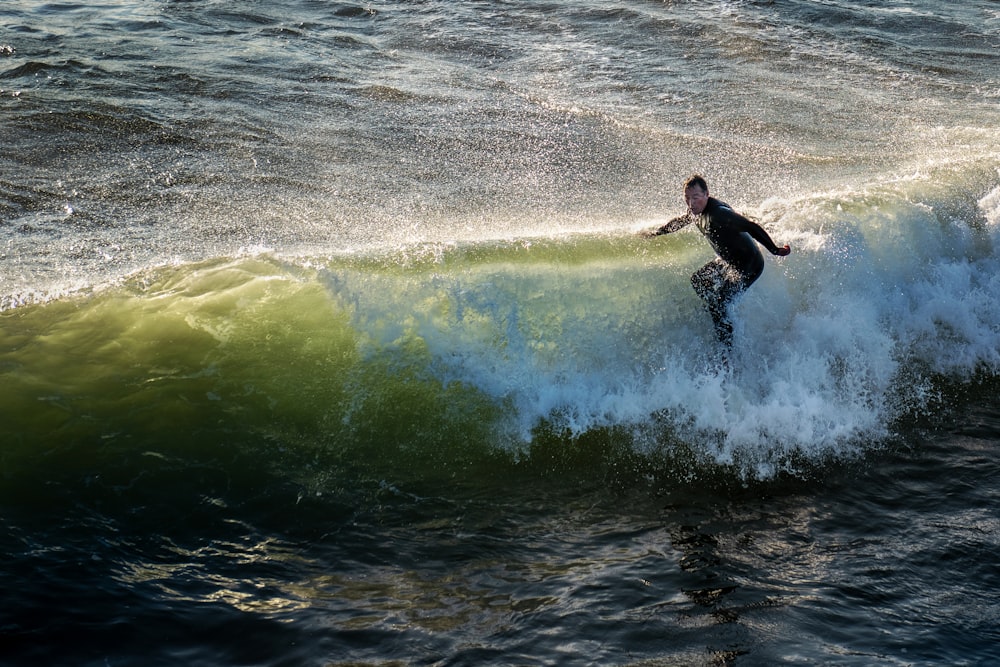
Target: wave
x=445, y=356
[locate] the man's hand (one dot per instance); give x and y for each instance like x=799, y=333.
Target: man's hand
x=784, y=250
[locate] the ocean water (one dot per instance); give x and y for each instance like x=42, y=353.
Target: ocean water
x=327, y=335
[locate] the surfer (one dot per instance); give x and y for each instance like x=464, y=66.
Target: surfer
x=739, y=262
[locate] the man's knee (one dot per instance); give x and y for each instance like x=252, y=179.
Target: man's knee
x=701, y=285
x=706, y=280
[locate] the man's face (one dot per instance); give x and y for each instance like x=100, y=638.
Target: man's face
x=696, y=199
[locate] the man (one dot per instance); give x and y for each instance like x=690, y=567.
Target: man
x=739, y=262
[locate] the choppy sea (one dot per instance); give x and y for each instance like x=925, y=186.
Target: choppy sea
x=328, y=336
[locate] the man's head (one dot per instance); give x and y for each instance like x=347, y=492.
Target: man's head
x=696, y=194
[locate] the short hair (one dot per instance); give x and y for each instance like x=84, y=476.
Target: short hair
x=698, y=180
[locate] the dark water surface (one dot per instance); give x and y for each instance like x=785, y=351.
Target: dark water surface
x=887, y=560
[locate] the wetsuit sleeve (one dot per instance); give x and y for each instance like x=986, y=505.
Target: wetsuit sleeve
x=759, y=235
x=674, y=225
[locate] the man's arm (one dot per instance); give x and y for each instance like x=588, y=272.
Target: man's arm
x=672, y=226
x=762, y=237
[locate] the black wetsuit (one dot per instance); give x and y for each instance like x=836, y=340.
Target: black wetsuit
x=739, y=262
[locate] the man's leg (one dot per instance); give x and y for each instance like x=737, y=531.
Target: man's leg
x=713, y=284
x=719, y=285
